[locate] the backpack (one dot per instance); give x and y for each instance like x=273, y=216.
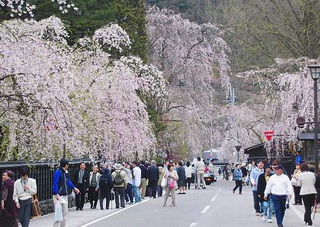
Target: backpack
x=103, y=182
x=118, y=179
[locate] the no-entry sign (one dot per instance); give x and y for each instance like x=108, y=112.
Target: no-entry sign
x=269, y=134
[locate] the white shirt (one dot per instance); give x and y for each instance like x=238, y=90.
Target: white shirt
x=188, y=171
x=128, y=175
x=20, y=193
x=200, y=166
x=278, y=185
x=136, y=176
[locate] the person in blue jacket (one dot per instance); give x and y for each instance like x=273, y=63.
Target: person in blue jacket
x=61, y=184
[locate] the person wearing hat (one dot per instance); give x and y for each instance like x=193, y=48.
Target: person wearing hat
x=119, y=184
x=266, y=204
x=279, y=185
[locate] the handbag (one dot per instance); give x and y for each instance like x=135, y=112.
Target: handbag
x=58, y=216
x=163, y=182
x=171, y=184
x=293, y=181
x=35, y=209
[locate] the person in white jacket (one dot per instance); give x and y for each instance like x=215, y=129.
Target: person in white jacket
x=279, y=185
x=24, y=189
x=199, y=167
x=308, y=191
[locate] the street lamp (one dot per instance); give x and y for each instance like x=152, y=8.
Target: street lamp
x=315, y=74
x=238, y=150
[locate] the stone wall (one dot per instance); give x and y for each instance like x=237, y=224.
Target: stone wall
x=47, y=206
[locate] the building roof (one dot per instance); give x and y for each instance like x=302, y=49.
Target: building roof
x=258, y=148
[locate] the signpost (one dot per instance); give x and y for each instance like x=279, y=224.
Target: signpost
x=269, y=134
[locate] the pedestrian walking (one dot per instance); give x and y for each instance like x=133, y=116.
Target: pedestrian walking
x=226, y=171
x=238, y=179
x=279, y=186
x=199, y=167
x=308, y=191
x=81, y=180
x=129, y=190
x=24, y=189
x=171, y=177
x=296, y=188
x=119, y=185
x=8, y=209
x=143, y=184
x=182, y=178
x=317, y=185
x=188, y=170
x=261, y=187
x=254, y=175
x=61, y=183
x=105, y=187
x=136, y=181
x=161, y=175
x=93, y=193
x=153, y=178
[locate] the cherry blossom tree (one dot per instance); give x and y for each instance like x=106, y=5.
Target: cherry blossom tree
x=25, y=8
x=194, y=61
x=76, y=100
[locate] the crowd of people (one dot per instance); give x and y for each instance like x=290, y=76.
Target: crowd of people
x=272, y=188
x=125, y=183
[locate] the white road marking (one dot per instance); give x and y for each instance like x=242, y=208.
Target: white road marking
x=205, y=209
x=216, y=195
x=193, y=224
x=114, y=213
x=299, y=214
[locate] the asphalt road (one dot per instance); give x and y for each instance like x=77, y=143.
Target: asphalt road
x=215, y=206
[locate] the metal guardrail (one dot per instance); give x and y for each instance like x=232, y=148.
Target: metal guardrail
x=43, y=173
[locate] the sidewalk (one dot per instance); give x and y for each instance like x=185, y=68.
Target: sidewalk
x=80, y=218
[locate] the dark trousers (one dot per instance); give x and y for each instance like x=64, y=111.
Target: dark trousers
x=238, y=185
x=93, y=197
x=189, y=182
x=119, y=192
x=279, y=203
x=25, y=212
x=159, y=189
x=297, y=196
x=105, y=194
x=256, y=202
x=153, y=188
x=81, y=196
x=129, y=193
x=308, y=202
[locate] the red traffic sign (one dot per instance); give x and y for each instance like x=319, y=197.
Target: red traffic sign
x=269, y=134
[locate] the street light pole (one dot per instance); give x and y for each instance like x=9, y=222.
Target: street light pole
x=238, y=150
x=316, y=156
x=315, y=74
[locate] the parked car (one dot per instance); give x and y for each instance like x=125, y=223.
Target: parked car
x=209, y=177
